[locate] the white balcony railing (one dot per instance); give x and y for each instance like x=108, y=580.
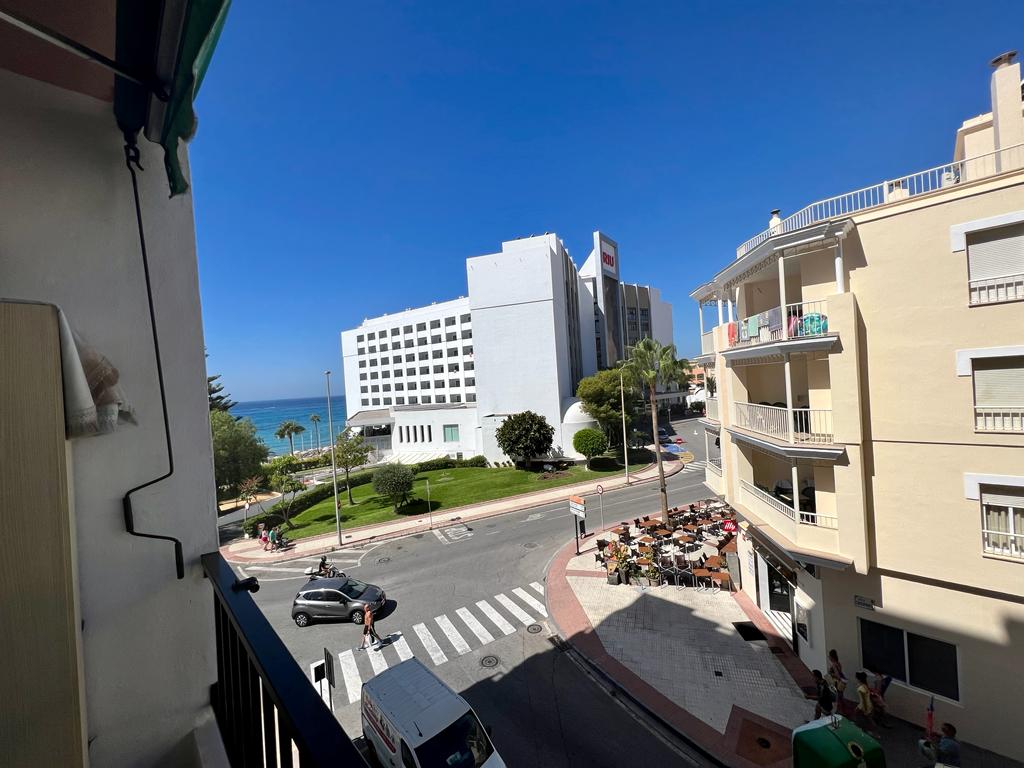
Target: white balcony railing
x=803, y=517
x=707, y=343
x=715, y=465
x=711, y=408
x=803, y=319
x=806, y=319
x=940, y=177
x=1010, y=419
x=809, y=425
x=997, y=289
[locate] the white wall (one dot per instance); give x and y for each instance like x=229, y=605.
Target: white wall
x=68, y=235
x=661, y=318
x=588, y=337
x=436, y=418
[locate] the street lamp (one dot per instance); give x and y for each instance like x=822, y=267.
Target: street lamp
x=430, y=512
x=625, y=441
x=334, y=466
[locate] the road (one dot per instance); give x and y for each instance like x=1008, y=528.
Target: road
x=468, y=601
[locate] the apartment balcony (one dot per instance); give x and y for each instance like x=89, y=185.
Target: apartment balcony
x=798, y=327
x=793, y=530
x=1010, y=419
x=711, y=409
x=707, y=343
x=713, y=478
x=266, y=709
x=807, y=433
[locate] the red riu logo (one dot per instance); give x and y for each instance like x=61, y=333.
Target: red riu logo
x=607, y=258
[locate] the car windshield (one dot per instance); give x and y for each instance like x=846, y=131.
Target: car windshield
x=463, y=744
x=353, y=589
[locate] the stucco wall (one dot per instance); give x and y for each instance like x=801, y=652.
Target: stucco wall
x=465, y=418
x=68, y=235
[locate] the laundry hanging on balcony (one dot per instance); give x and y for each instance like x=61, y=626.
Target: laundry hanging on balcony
x=94, y=403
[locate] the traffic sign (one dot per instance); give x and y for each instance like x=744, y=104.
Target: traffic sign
x=329, y=664
x=679, y=441
x=600, y=489
x=577, y=500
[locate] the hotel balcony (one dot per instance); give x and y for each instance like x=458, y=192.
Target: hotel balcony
x=805, y=425
x=711, y=409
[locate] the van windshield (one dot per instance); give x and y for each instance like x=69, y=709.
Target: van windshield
x=463, y=744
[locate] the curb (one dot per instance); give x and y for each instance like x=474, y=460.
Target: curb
x=669, y=472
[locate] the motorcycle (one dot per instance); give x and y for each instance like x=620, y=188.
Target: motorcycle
x=326, y=570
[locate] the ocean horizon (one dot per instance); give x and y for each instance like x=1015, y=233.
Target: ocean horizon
x=268, y=415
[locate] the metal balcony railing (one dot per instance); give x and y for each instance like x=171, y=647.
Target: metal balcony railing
x=803, y=319
x=940, y=177
x=268, y=712
x=809, y=425
x=707, y=343
x=711, y=408
x=715, y=465
x=1010, y=419
x=757, y=495
x=997, y=289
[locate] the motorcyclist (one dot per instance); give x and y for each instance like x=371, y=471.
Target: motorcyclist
x=324, y=569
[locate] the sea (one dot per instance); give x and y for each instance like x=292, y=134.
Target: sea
x=267, y=415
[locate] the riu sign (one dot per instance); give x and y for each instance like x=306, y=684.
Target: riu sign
x=608, y=258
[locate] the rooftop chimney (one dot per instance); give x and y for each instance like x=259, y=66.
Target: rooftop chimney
x=1007, y=119
x=774, y=221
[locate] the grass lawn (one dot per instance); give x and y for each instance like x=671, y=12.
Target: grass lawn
x=448, y=488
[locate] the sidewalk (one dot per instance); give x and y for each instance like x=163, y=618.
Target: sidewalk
x=249, y=551
x=678, y=654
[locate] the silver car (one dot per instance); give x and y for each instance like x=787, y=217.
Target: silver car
x=338, y=598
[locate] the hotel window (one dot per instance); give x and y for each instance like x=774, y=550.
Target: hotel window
x=456, y=398
x=399, y=401
x=453, y=382
x=451, y=336
x=410, y=371
x=362, y=377
x=387, y=401
x=373, y=375
x=435, y=339
x=399, y=386
x=470, y=397
x=398, y=373
x=999, y=394
x=438, y=353
x=362, y=363
x=359, y=338
x=471, y=382
x=372, y=349
x=364, y=401
x=407, y=329
x=387, y=387
x=452, y=367
x=385, y=374
x=424, y=385
x=921, y=662
x=370, y=335
x=383, y=347
x=414, y=401
x=424, y=370
x=438, y=369
x=439, y=399
x=467, y=350
x=410, y=357
x=995, y=263
x=394, y=331
x=467, y=334
x=435, y=323
x=438, y=383
x=426, y=399
x=449, y=321
x=413, y=385
x=451, y=433
x=453, y=352
x=363, y=389
x=376, y=401
x=421, y=341
x=468, y=366
x=375, y=388
x=409, y=343
x=424, y=355
x=1002, y=521
x=361, y=351
x=465, y=318
x=373, y=362
x=421, y=326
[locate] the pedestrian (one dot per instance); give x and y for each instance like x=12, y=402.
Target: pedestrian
x=836, y=678
x=368, y=629
x=264, y=537
x=825, y=699
x=862, y=715
x=273, y=539
x=946, y=750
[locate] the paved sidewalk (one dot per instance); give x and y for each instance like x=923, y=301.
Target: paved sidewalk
x=678, y=654
x=248, y=551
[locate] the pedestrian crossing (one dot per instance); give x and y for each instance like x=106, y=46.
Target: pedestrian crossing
x=695, y=466
x=443, y=638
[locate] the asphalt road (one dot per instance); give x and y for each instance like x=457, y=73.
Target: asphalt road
x=544, y=706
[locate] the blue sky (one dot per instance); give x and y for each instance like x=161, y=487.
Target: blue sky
x=351, y=156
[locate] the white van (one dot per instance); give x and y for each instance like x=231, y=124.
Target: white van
x=413, y=720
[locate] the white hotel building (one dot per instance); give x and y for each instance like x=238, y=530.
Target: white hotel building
x=439, y=380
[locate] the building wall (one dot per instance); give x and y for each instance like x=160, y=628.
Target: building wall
x=406, y=433
x=68, y=235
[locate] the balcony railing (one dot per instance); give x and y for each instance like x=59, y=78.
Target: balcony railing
x=802, y=517
x=267, y=709
x=999, y=419
x=809, y=425
x=997, y=289
x=715, y=465
x=707, y=343
x=804, y=319
x=711, y=408
x=940, y=177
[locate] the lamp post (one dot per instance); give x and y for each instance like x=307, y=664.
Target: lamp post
x=334, y=465
x=625, y=441
x=430, y=512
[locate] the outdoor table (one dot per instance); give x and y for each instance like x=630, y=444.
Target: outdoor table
x=691, y=527
x=650, y=523
x=646, y=539
x=711, y=550
x=723, y=579
x=642, y=561
x=662, y=532
x=715, y=561
x=682, y=537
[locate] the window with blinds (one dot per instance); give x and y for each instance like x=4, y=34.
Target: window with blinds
x=999, y=394
x=1002, y=521
x=995, y=259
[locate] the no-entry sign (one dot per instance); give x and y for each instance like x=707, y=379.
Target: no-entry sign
x=679, y=441
x=600, y=489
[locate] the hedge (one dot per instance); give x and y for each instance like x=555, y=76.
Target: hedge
x=447, y=463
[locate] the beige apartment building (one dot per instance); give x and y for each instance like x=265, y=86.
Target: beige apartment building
x=869, y=355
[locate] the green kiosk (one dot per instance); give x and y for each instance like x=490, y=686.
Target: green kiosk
x=835, y=742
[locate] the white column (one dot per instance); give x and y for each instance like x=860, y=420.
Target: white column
x=720, y=321
x=796, y=493
x=729, y=305
x=782, y=298
x=700, y=317
x=840, y=270
x=789, y=399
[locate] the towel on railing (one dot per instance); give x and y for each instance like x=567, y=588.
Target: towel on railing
x=753, y=324
x=93, y=401
x=731, y=329
x=775, y=319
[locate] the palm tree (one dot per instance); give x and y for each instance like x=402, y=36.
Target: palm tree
x=315, y=418
x=289, y=429
x=649, y=364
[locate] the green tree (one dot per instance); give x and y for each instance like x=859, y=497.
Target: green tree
x=350, y=451
x=650, y=364
x=289, y=429
x=237, y=451
x=524, y=436
x=218, y=401
x=315, y=418
x=602, y=400
x=394, y=482
x=590, y=442
x=288, y=487
x=249, y=489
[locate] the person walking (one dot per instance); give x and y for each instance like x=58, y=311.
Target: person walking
x=863, y=714
x=264, y=537
x=368, y=629
x=825, y=699
x=945, y=751
x=273, y=539
x=836, y=678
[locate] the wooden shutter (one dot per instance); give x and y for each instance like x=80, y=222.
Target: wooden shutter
x=996, y=252
x=999, y=382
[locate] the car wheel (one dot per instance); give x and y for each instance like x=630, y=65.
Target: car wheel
x=301, y=619
x=356, y=616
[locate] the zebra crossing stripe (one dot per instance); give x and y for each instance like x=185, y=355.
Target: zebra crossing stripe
x=461, y=646
x=377, y=660
x=403, y=649
x=436, y=654
x=537, y=586
x=514, y=609
x=349, y=671
x=530, y=600
x=475, y=626
x=498, y=620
